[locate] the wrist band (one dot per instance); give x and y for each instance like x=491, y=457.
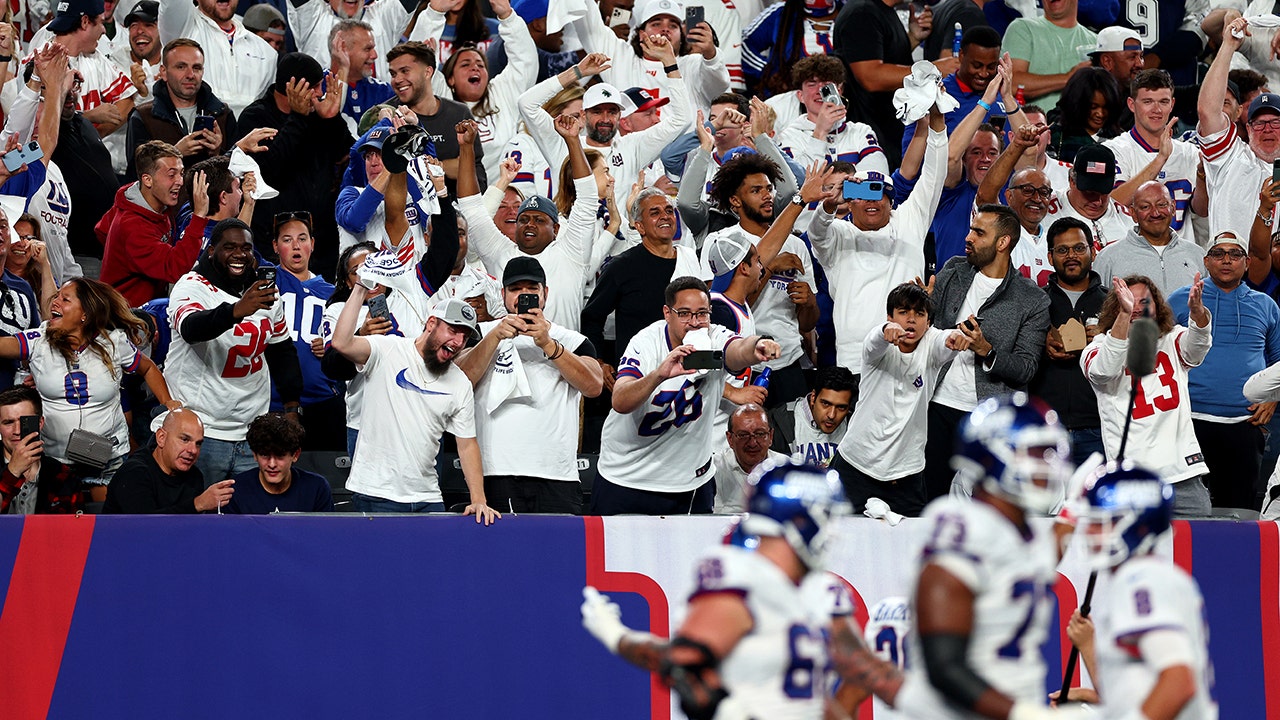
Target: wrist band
x=577, y=73
x=984, y=105
x=5, y=58
x=668, y=69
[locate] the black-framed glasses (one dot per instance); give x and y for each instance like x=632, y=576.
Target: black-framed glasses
x=1272, y=124
x=281, y=218
x=687, y=315
x=1029, y=191
x=1219, y=254
x=1064, y=250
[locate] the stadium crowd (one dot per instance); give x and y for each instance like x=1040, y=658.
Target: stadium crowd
x=683, y=237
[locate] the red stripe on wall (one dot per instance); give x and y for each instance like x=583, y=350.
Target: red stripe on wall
x=1269, y=538
x=644, y=586
x=1182, y=544
x=38, y=609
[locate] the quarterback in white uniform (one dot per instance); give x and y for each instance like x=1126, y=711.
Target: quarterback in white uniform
x=754, y=641
x=1152, y=641
x=983, y=598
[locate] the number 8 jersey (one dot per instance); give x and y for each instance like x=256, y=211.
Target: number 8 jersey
x=225, y=380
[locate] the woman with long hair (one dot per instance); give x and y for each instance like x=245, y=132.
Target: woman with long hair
x=608, y=220
x=534, y=176
x=28, y=260
x=1088, y=112
x=781, y=35
x=77, y=359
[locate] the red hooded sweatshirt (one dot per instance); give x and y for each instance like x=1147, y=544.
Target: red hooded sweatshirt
x=140, y=259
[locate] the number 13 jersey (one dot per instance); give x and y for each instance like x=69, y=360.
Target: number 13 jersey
x=225, y=380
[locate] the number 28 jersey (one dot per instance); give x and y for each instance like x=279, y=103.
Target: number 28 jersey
x=225, y=380
x=779, y=669
x=665, y=444
x=1011, y=577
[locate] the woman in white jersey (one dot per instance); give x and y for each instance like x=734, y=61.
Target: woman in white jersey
x=77, y=359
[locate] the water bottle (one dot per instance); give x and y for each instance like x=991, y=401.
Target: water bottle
x=955, y=42
x=1019, y=96
x=762, y=380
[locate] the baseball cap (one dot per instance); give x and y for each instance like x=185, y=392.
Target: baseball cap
x=723, y=253
x=455, y=312
x=1234, y=89
x=541, y=204
x=605, y=94
x=523, y=267
x=643, y=99
x=261, y=18
x=70, y=12
x=734, y=152
x=1095, y=169
x=1228, y=237
x=530, y=10
x=1266, y=102
x=1117, y=39
x=375, y=138
x=147, y=11
x=863, y=176
x=646, y=11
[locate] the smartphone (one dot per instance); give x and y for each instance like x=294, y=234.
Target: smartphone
x=526, y=302
x=869, y=190
x=693, y=16
x=203, y=122
x=1275, y=170
x=970, y=325
x=267, y=274
x=998, y=121
x=28, y=424
x=831, y=94
x=378, y=307
x=620, y=16
x=22, y=155
x=704, y=360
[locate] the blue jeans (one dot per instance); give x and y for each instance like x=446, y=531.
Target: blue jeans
x=352, y=434
x=370, y=504
x=103, y=476
x=222, y=459
x=1085, y=442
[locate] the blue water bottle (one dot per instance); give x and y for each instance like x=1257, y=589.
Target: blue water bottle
x=955, y=41
x=762, y=380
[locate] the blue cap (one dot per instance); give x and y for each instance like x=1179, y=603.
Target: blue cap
x=375, y=138
x=541, y=204
x=530, y=10
x=70, y=12
x=735, y=152
x=1266, y=102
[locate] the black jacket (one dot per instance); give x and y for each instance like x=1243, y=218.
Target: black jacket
x=159, y=120
x=1062, y=383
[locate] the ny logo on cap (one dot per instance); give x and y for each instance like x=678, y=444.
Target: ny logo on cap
x=62, y=6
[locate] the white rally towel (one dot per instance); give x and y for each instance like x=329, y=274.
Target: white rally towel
x=240, y=164
x=390, y=268
x=920, y=91
x=509, y=381
x=563, y=12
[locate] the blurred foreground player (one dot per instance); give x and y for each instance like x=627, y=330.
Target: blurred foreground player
x=983, y=600
x=1152, y=642
x=754, y=641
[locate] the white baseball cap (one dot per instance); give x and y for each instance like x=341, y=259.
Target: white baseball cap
x=1117, y=39
x=647, y=10
x=606, y=94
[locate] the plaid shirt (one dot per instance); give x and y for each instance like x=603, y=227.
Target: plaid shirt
x=56, y=491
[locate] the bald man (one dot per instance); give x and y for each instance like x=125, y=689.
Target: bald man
x=1152, y=247
x=750, y=436
x=165, y=480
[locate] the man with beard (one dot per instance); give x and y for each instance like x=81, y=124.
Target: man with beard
x=142, y=54
x=1004, y=316
x=1030, y=195
x=394, y=467
x=166, y=480
x=240, y=64
x=1152, y=247
x=226, y=323
x=1075, y=293
x=313, y=20
x=809, y=429
x=183, y=111
x=563, y=250
x=1233, y=170
x=749, y=435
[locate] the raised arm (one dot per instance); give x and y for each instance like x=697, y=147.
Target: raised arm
x=345, y=341
x=1260, y=263
x=1024, y=136
x=958, y=144
x=1213, y=89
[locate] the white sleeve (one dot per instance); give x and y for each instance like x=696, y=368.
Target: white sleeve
x=923, y=203
x=539, y=124
x=1103, y=360
x=821, y=238
x=1195, y=342
x=61, y=261
x=874, y=346
x=518, y=44
x=430, y=26
x=304, y=19
x=650, y=143
x=21, y=113
x=801, y=145
x=175, y=19
x=1264, y=385
x=580, y=234
x=494, y=248
x=707, y=79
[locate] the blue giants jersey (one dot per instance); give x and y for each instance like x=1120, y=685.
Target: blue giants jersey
x=304, y=312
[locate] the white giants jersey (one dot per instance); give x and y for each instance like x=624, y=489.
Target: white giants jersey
x=1031, y=255
x=1234, y=177
x=1011, y=577
x=1179, y=172
x=779, y=669
x=1161, y=437
x=224, y=380
x=1147, y=594
x=665, y=444
x=81, y=394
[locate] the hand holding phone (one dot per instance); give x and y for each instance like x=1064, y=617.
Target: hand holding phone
x=267, y=275
x=872, y=190
x=378, y=307
x=693, y=16
x=526, y=302
x=28, y=424
x=22, y=155
x=704, y=360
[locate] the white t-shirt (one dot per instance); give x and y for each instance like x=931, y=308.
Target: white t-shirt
x=887, y=431
x=1012, y=579
x=1178, y=174
x=84, y=394
x=355, y=386
x=1147, y=594
x=665, y=444
x=508, y=442
x=731, y=481
x=224, y=380
x=959, y=387
x=396, y=452
x=51, y=204
x=1233, y=176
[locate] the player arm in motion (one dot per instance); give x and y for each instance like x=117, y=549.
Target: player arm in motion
x=862, y=672
x=689, y=663
x=1169, y=652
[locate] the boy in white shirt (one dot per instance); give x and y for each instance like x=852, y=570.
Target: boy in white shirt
x=882, y=453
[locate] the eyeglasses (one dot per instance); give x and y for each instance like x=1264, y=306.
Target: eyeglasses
x=301, y=216
x=1272, y=124
x=1063, y=250
x=1220, y=254
x=1029, y=191
x=744, y=436
x=1162, y=205
x=686, y=315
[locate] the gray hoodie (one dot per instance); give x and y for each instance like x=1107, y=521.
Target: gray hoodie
x=1133, y=255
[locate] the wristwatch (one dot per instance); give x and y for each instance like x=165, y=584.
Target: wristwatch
x=797, y=200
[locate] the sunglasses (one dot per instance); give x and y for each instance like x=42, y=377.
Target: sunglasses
x=301, y=216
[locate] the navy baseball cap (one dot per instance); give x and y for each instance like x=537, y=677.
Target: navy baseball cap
x=374, y=139
x=643, y=99
x=736, y=151
x=541, y=204
x=70, y=12
x=1266, y=102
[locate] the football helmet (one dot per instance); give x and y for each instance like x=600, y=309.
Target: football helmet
x=1015, y=447
x=1123, y=513
x=795, y=501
